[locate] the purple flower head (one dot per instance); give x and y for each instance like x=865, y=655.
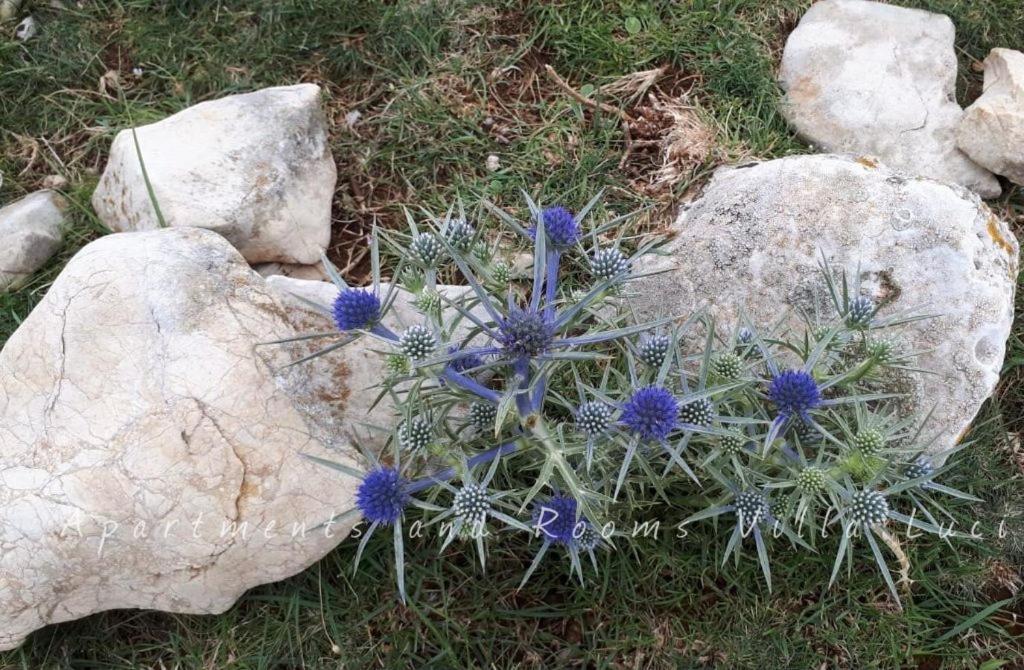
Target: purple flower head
x=794, y=393
x=561, y=227
x=652, y=413
x=382, y=496
x=355, y=309
x=526, y=333
x=556, y=520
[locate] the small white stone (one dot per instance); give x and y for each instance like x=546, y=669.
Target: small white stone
x=992, y=129
x=27, y=29
x=31, y=231
x=55, y=182
x=256, y=168
x=352, y=118
x=493, y=163
x=9, y=9
x=872, y=78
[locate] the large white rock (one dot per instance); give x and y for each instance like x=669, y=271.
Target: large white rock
x=255, y=168
x=150, y=455
x=992, y=129
x=753, y=241
x=870, y=78
x=31, y=231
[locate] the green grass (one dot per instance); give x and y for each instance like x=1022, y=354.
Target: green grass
x=440, y=86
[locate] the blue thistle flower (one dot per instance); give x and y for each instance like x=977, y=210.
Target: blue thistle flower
x=794, y=393
x=652, y=413
x=526, y=333
x=355, y=309
x=382, y=496
x=556, y=520
x=561, y=226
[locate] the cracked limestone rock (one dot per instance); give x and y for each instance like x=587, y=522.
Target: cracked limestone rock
x=150, y=455
x=870, y=78
x=31, y=231
x=992, y=129
x=752, y=243
x=255, y=168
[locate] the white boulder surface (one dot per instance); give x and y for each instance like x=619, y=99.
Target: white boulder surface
x=753, y=241
x=871, y=78
x=992, y=129
x=255, y=168
x=151, y=450
x=31, y=231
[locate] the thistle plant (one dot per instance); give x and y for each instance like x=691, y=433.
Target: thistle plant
x=547, y=409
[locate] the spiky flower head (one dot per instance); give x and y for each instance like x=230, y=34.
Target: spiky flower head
x=732, y=445
x=751, y=507
x=869, y=442
x=868, y=507
x=653, y=349
x=652, y=412
x=588, y=537
x=397, y=364
x=727, y=366
x=356, y=309
x=881, y=351
x=811, y=480
x=745, y=336
x=460, y=235
x=501, y=272
x=593, y=417
x=482, y=415
x=427, y=302
x=860, y=311
x=556, y=520
x=417, y=342
x=806, y=433
x=427, y=249
x=922, y=467
x=697, y=413
x=382, y=496
x=526, y=333
x=794, y=393
x=471, y=504
x=608, y=264
x=561, y=226
x=415, y=434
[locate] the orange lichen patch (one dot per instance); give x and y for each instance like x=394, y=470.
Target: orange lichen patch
x=867, y=161
x=997, y=236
